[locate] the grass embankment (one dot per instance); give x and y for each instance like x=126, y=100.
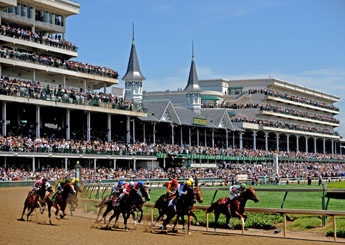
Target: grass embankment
x=294, y=200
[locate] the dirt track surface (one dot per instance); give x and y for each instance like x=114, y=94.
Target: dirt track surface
x=80, y=230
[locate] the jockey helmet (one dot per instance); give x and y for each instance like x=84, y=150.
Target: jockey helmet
x=131, y=184
x=77, y=179
x=243, y=186
x=140, y=183
x=189, y=183
x=191, y=180
x=174, y=181
x=120, y=183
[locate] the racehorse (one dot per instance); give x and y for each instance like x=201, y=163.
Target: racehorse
x=184, y=206
x=232, y=208
x=162, y=205
x=73, y=198
x=30, y=204
x=129, y=205
x=60, y=201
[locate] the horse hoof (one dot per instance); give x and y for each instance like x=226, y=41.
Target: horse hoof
x=188, y=233
x=126, y=229
x=197, y=223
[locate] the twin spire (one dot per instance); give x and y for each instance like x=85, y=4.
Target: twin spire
x=133, y=69
x=193, y=81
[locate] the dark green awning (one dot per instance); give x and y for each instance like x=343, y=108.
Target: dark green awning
x=240, y=87
x=209, y=98
x=231, y=113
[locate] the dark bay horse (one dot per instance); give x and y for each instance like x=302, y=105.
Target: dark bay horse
x=184, y=206
x=60, y=201
x=129, y=205
x=30, y=204
x=162, y=205
x=233, y=208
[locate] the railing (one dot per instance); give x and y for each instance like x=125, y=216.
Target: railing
x=283, y=212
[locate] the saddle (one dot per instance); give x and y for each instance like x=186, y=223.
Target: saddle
x=226, y=201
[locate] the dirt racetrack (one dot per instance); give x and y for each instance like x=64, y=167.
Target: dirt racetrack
x=79, y=230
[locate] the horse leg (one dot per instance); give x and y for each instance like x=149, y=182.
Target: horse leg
x=166, y=221
x=104, y=214
x=196, y=219
x=117, y=218
x=101, y=207
x=110, y=219
x=216, y=217
x=189, y=220
x=228, y=220
x=22, y=218
x=141, y=215
x=159, y=217
x=176, y=221
x=125, y=217
x=31, y=210
x=49, y=214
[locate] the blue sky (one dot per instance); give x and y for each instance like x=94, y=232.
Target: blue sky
x=299, y=41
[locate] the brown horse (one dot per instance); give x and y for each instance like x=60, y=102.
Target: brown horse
x=233, y=208
x=73, y=198
x=184, y=206
x=60, y=201
x=31, y=203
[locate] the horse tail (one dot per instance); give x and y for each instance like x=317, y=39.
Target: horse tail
x=212, y=207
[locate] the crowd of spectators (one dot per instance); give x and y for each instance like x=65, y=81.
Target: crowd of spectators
x=57, y=62
x=273, y=93
x=14, y=87
x=277, y=124
x=27, y=144
x=37, y=37
x=230, y=172
x=287, y=111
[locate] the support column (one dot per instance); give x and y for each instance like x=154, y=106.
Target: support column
x=33, y=75
x=341, y=149
x=114, y=164
x=5, y=163
x=332, y=144
x=154, y=133
x=306, y=144
x=105, y=88
x=288, y=143
x=163, y=162
x=0, y=65
x=66, y=163
x=266, y=141
x=133, y=130
x=254, y=140
x=241, y=140
x=128, y=130
x=213, y=138
x=88, y=125
x=33, y=164
x=315, y=150
x=68, y=124
x=297, y=143
x=277, y=138
x=4, y=119
x=190, y=136
x=95, y=163
x=38, y=163
x=197, y=137
x=38, y=121
x=181, y=132
x=324, y=145
x=205, y=137
x=335, y=147
x=134, y=164
x=64, y=81
x=144, y=132
x=226, y=139
x=109, y=127
x=172, y=134
x=233, y=140
x=84, y=85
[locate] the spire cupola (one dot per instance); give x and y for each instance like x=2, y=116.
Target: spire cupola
x=133, y=77
x=193, y=90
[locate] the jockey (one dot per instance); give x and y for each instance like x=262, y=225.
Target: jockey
x=60, y=187
x=171, y=194
x=236, y=190
x=117, y=187
x=139, y=184
x=182, y=189
x=127, y=188
x=40, y=188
